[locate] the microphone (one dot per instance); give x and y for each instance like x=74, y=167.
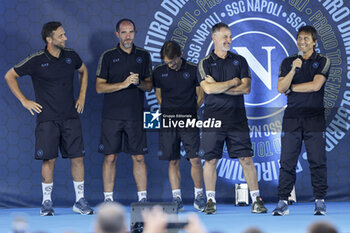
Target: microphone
x=300, y=55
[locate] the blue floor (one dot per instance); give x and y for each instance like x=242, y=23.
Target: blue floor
x=229, y=218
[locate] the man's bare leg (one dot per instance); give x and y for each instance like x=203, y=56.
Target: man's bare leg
x=108, y=173
x=140, y=175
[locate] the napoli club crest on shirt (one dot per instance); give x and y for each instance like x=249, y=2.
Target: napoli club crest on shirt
x=186, y=75
x=139, y=60
x=315, y=65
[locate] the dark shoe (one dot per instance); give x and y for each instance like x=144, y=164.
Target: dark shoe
x=180, y=205
x=320, y=207
x=258, y=206
x=82, y=207
x=46, y=209
x=210, y=208
x=281, y=209
x=199, y=202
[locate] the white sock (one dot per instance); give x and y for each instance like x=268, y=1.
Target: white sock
x=211, y=195
x=254, y=194
x=108, y=195
x=142, y=194
x=197, y=191
x=176, y=193
x=47, y=189
x=79, y=190
x=319, y=200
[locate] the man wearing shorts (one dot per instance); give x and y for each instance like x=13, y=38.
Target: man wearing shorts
x=58, y=124
x=123, y=75
x=225, y=77
x=179, y=95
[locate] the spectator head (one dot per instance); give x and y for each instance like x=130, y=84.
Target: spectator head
x=322, y=227
x=110, y=218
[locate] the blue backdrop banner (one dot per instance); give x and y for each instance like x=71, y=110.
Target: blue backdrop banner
x=264, y=32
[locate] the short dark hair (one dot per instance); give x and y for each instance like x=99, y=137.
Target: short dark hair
x=48, y=29
x=124, y=20
x=170, y=49
x=310, y=30
x=218, y=26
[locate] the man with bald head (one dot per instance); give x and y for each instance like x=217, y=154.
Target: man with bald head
x=123, y=76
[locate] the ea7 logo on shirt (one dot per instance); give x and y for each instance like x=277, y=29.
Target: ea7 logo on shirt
x=45, y=65
x=68, y=60
x=151, y=120
x=115, y=60
x=165, y=75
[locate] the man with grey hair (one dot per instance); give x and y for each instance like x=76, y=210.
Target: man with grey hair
x=110, y=218
x=225, y=78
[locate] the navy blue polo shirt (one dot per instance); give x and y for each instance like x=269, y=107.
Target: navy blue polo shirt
x=311, y=103
x=53, y=82
x=115, y=66
x=178, y=88
x=228, y=108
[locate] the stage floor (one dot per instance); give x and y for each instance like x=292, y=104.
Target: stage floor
x=229, y=218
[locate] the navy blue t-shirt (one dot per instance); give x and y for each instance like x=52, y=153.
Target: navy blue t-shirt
x=115, y=66
x=311, y=103
x=53, y=82
x=228, y=108
x=178, y=88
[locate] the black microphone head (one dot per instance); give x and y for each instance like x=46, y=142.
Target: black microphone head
x=300, y=55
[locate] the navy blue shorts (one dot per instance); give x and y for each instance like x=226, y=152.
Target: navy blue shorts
x=237, y=141
x=170, y=140
x=118, y=133
x=63, y=134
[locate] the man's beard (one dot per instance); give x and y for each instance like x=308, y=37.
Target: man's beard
x=127, y=46
x=226, y=48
